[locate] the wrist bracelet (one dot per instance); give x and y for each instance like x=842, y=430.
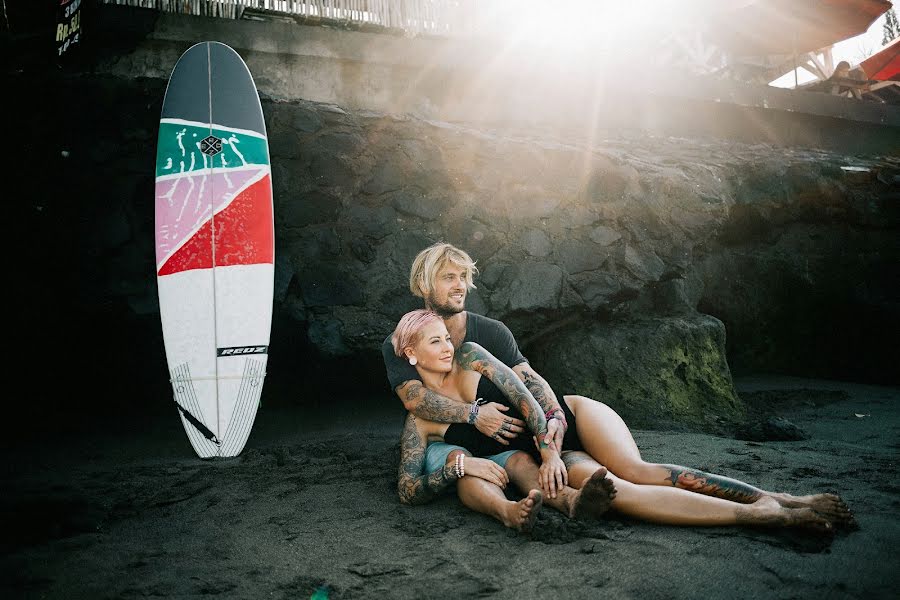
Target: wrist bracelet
x=557, y=413
x=473, y=412
x=459, y=469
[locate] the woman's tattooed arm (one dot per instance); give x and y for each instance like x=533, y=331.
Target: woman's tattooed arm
x=414, y=486
x=430, y=405
x=474, y=357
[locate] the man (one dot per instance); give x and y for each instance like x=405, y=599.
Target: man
x=442, y=276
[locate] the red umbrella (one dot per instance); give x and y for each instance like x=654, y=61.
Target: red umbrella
x=769, y=27
x=884, y=65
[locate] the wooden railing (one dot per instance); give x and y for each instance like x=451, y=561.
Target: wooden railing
x=440, y=17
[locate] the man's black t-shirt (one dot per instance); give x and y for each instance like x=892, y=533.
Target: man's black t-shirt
x=493, y=335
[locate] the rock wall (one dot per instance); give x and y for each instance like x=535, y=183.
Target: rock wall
x=787, y=246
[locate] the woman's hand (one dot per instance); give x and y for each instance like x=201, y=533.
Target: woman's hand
x=553, y=474
x=487, y=470
x=494, y=424
x=557, y=433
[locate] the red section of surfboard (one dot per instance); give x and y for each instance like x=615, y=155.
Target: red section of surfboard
x=244, y=234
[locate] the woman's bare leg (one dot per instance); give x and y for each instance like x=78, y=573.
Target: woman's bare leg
x=607, y=439
x=591, y=500
x=673, y=506
x=488, y=498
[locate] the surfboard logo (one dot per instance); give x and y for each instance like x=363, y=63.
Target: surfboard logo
x=210, y=145
x=242, y=350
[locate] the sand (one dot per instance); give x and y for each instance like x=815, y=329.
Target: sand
x=121, y=508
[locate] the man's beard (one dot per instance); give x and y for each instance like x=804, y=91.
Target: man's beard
x=445, y=309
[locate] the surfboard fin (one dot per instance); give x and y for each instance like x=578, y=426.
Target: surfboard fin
x=203, y=429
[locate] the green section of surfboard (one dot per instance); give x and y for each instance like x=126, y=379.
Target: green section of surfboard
x=178, y=148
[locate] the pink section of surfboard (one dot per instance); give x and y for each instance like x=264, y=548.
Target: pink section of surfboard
x=181, y=208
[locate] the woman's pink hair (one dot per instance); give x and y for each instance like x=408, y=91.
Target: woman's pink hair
x=410, y=326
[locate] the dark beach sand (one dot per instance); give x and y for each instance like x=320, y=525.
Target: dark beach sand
x=121, y=508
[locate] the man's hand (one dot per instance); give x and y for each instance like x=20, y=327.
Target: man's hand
x=493, y=423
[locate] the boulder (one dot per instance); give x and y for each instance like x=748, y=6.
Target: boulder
x=664, y=373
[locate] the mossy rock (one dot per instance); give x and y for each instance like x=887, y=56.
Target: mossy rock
x=660, y=373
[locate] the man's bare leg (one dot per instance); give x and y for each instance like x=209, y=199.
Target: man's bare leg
x=673, y=506
x=829, y=506
x=607, y=439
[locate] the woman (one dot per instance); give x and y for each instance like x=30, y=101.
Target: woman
x=664, y=494
x=431, y=458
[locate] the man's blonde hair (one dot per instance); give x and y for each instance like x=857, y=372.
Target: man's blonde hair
x=431, y=260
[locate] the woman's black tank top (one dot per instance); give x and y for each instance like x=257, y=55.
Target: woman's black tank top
x=480, y=445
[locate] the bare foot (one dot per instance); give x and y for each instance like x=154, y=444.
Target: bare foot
x=829, y=506
x=768, y=512
x=594, y=497
x=522, y=514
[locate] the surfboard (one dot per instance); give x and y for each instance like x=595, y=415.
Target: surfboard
x=215, y=250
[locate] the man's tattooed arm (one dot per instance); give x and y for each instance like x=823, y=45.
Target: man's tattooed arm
x=430, y=405
x=709, y=484
x=474, y=357
x=545, y=397
x=413, y=486
x=539, y=388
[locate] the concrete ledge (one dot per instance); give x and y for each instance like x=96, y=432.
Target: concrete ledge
x=475, y=81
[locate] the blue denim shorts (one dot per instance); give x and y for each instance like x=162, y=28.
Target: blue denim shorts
x=436, y=456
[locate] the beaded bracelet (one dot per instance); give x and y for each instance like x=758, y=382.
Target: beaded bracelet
x=460, y=467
